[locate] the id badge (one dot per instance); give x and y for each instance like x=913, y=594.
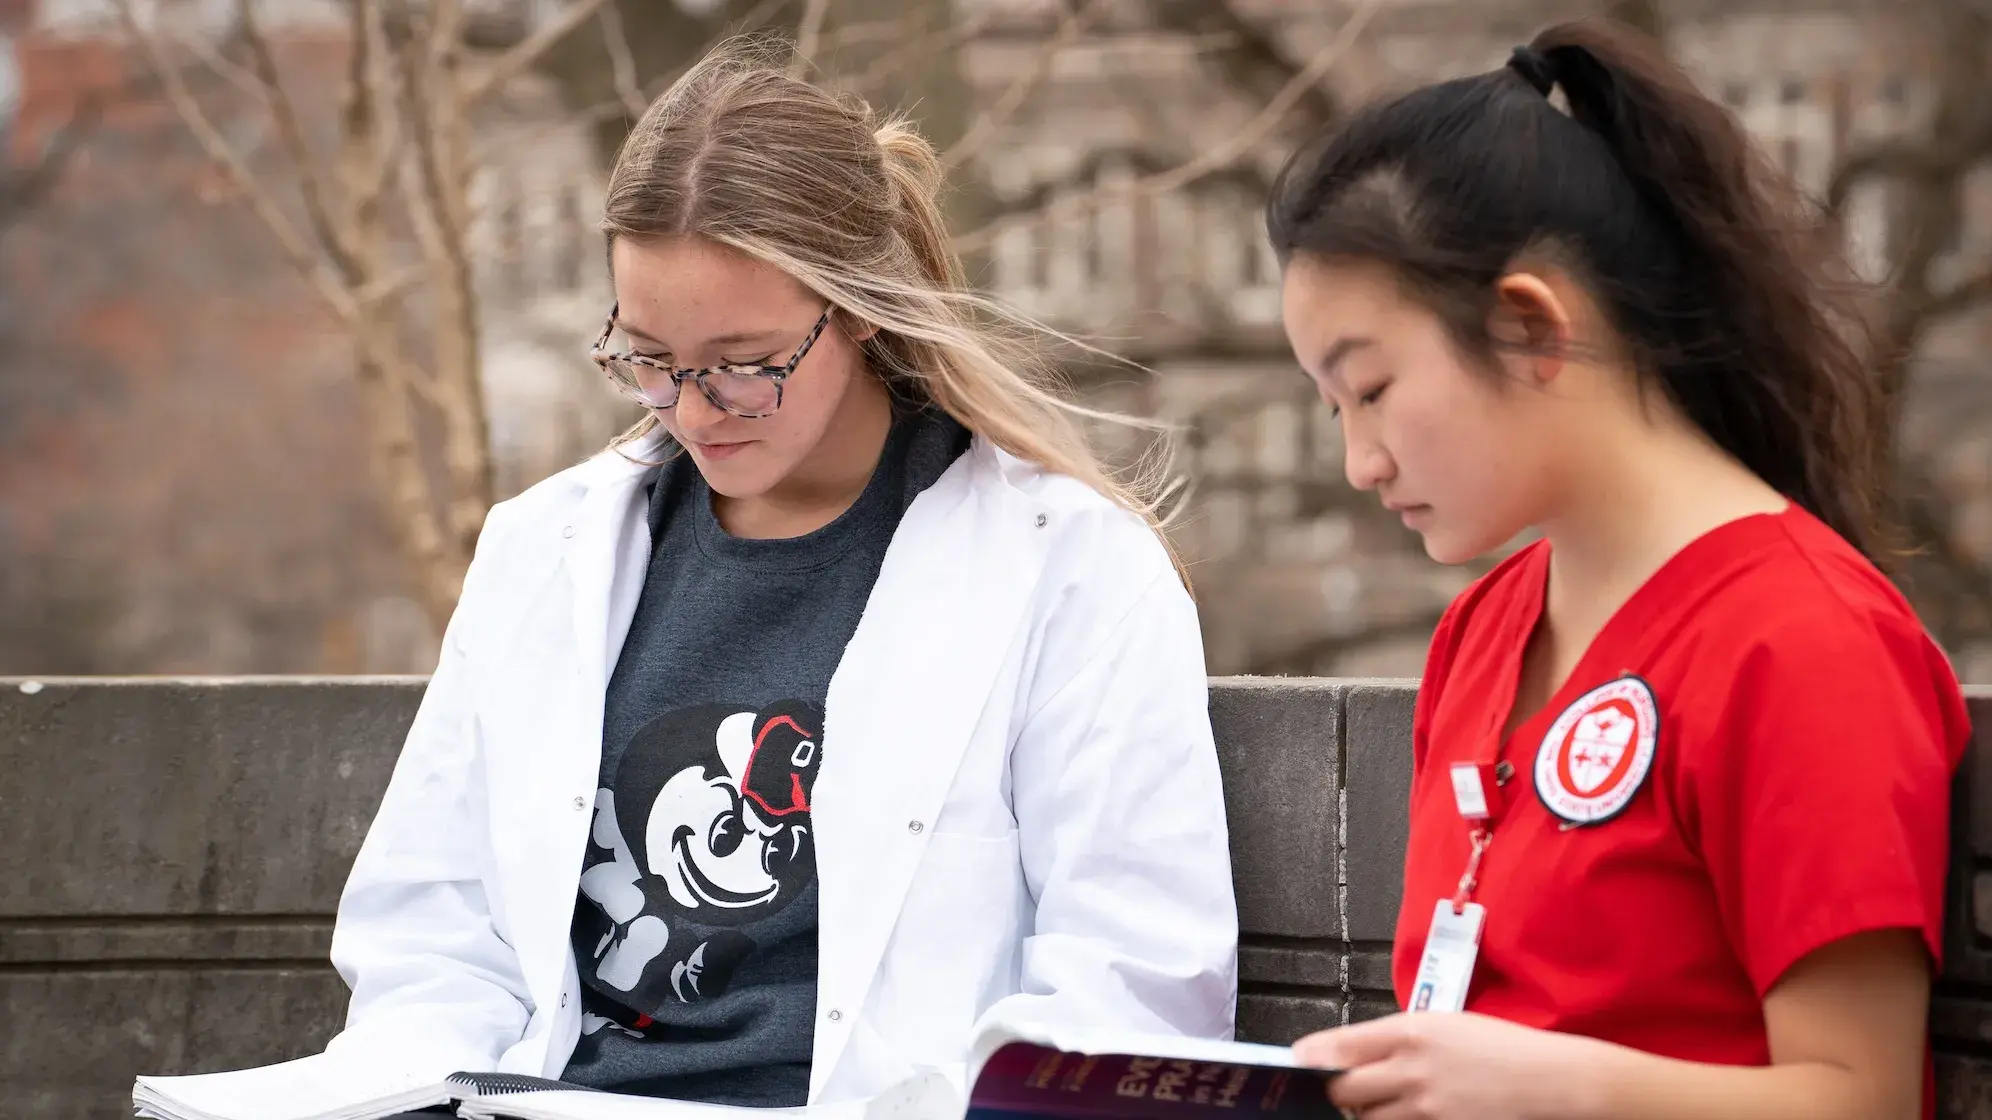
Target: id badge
x=1470, y=786
x=1447, y=966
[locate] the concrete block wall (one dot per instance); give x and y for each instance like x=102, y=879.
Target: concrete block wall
x=171, y=852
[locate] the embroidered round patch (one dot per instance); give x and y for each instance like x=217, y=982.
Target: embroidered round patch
x=1597, y=753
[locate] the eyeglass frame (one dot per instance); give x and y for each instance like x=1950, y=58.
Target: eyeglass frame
x=780, y=374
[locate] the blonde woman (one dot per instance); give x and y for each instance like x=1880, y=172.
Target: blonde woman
x=846, y=704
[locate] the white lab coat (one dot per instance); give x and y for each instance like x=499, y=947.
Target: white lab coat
x=1019, y=813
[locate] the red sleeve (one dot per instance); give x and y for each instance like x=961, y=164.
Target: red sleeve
x=1821, y=801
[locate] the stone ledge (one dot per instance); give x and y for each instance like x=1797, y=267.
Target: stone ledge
x=173, y=939
x=1279, y=746
x=173, y=912
x=1313, y=965
x=1279, y=1017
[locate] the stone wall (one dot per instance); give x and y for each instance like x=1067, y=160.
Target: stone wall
x=171, y=852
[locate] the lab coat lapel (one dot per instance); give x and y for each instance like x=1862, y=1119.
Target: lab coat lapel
x=606, y=552
x=937, y=632
x=607, y=558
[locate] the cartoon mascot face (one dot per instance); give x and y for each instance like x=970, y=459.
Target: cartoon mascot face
x=732, y=838
x=707, y=829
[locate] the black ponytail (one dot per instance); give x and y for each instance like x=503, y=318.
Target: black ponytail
x=1651, y=195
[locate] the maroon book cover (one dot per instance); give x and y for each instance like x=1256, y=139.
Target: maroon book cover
x=1026, y=1080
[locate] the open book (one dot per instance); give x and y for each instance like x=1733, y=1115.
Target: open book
x=1012, y=1074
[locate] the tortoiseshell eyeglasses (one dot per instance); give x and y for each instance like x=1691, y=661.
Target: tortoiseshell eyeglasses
x=750, y=391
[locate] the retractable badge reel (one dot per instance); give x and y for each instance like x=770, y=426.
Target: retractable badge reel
x=1446, y=969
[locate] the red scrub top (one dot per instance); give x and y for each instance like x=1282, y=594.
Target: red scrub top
x=1752, y=760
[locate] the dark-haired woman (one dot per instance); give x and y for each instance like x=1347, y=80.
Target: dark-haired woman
x=1679, y=798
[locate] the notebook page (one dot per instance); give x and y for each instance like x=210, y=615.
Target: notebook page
x=310, y=1088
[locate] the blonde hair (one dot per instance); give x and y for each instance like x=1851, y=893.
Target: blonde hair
x=742, y=154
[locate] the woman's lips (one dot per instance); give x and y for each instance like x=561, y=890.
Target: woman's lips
x=719, y=450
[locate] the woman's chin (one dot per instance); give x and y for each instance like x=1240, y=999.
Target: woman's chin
x=738, y=473
x=1452, y=547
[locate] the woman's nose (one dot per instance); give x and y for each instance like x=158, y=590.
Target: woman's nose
x=693, y=411
x=1366, y=463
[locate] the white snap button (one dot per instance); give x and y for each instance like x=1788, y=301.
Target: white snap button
x=1042, y=520
x=915, y=827
x=580, y=803
x=836, y=1016
x=567, y=530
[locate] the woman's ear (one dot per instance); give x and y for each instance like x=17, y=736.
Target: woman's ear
x=1532, y=320
x=854, y=328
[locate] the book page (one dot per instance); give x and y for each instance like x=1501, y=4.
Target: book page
x=585, y=1105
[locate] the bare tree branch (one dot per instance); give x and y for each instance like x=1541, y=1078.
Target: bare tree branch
x=371, y=144
x=521, y=58
x=372, y=139
x=602, y=111
x=369, y=138
x=949, y=39
x=20, y=190
x=295, y=248
x=1250, y=57
x=311, y=178
x=390, y=285
x=439, y=180
x=1959, y=133
x=869, y=31
x=986, y=126
x=807, y=36
x=622, y=63
x=1224, y=155
x=236, y=75
x=1926, y=173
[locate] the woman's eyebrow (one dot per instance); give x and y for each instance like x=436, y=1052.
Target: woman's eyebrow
x=728, y=339
x=1343, y=347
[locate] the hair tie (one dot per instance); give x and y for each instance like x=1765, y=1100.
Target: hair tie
x=1535, y=67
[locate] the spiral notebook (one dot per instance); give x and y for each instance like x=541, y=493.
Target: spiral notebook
x=1011, y=1074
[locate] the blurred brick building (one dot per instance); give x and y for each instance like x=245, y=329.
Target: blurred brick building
x=183, y=475
x=184, y=479
x=1295, y=572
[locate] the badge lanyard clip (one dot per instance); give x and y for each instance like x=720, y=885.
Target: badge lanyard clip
x=1476, y=789
x=1481, y=837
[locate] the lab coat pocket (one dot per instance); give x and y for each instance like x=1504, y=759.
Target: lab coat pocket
x=956, y=947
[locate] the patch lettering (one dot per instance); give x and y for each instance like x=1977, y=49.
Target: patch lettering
x=1598, y=752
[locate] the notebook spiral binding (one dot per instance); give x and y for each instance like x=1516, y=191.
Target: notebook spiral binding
x=500, y=1084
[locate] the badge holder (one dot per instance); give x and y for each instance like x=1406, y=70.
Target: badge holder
x=1453, y=944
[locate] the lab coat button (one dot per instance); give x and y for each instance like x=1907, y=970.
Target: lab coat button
x=567, y=530
x=1042, y=520
x=563, y=999
x=580, y=803
x=915, y=827
x=836, y=1016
